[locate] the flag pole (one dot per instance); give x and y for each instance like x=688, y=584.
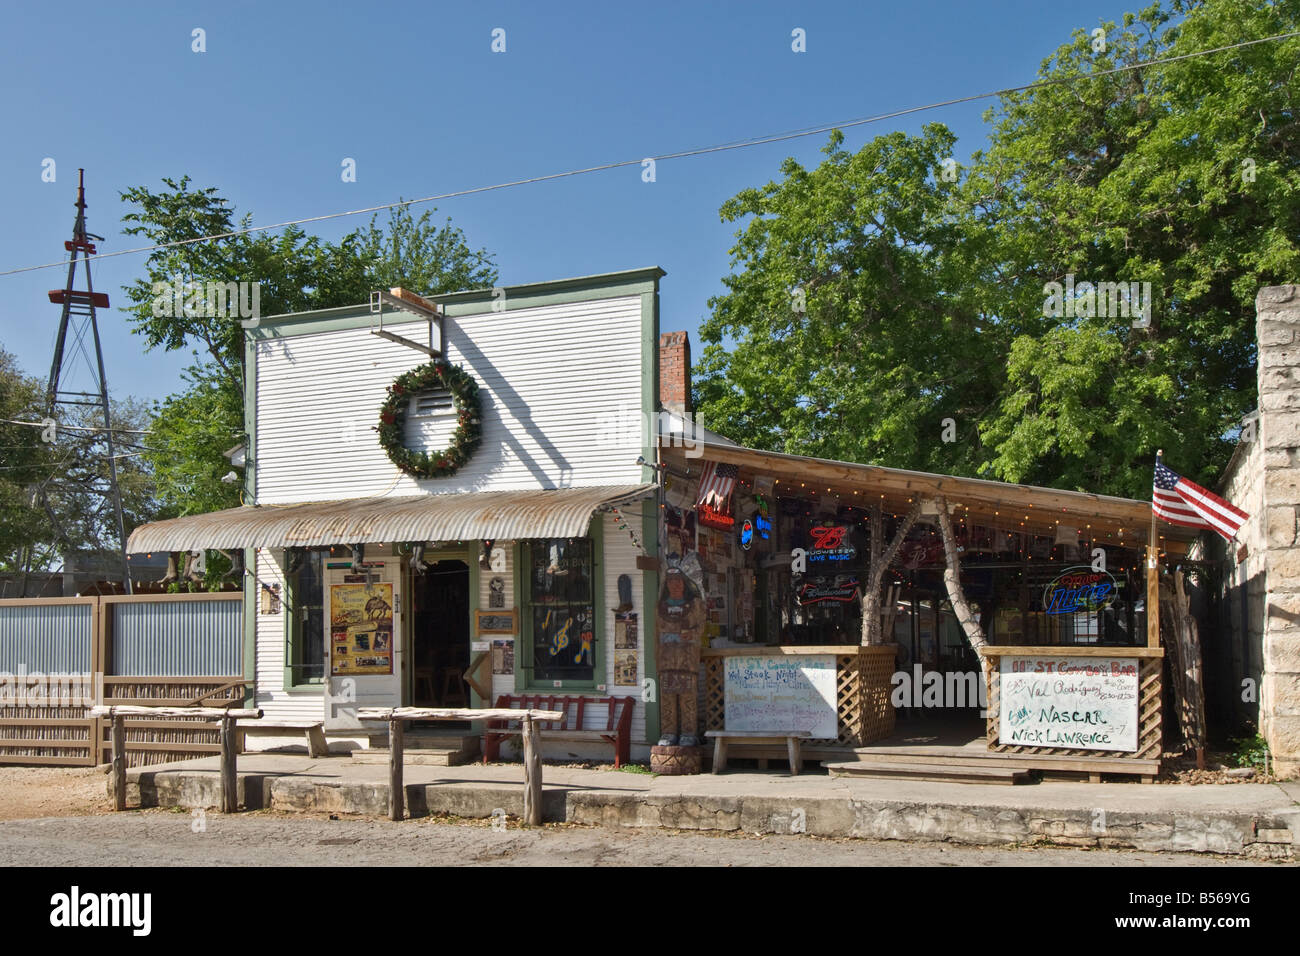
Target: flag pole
x=1153, y=572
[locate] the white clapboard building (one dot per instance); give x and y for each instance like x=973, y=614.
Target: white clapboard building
x=366, y=585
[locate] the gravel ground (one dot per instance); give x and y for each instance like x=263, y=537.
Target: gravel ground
x=268, y=838
x=28, y=792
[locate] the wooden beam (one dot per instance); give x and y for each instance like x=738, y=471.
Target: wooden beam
x=1153, y=597
x=229, y=773
x=119, y=764
x=1071, y=650
x=532, y=773
x=396, y=791
x=125, y=710
x=453, y=713
x=1129, y=513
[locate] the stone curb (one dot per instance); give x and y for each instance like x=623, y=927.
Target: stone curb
x=1269, y=836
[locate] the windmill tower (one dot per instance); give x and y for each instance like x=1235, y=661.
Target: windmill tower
x=78, y=316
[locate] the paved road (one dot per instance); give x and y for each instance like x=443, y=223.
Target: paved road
x=265, y=838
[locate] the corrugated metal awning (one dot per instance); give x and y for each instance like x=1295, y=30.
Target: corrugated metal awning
x=557, y=513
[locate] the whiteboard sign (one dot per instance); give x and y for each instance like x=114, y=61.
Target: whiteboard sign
x=780, y=694
x=1084, y=703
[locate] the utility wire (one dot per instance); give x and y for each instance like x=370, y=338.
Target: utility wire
x=722, y=147
x=76, y=428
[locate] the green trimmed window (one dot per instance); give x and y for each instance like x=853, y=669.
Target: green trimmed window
x=560, y=609
x=305, y=618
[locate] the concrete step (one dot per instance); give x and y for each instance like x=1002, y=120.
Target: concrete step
x=428, y=756
x=895, y=755
x=431, y=740
x=946, y=773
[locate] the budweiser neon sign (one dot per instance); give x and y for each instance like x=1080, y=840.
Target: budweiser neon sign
x=829, y=544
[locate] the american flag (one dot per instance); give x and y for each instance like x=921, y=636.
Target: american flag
x=716, y=484
x=1179, y=501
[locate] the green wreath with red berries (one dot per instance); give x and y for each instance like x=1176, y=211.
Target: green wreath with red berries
x=469, y=429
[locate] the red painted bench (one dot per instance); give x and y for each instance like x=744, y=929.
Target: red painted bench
x=617, y=729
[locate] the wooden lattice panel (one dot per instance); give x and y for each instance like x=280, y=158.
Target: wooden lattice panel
x=1150, y=738
x=875, y=709
x=715, y=698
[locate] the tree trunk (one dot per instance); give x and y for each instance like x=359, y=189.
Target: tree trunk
x=970, y=624
x=1183, y=647
x=880, y=562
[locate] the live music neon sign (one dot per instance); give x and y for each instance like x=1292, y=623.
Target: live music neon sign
x=829, y=545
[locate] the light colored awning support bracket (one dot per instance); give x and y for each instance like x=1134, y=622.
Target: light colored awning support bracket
x=405, y=301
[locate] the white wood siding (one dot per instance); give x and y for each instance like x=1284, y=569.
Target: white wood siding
x=560, y=389
x=620, y=558
x=271, y=696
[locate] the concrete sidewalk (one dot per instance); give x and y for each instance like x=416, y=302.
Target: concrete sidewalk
x=1256, y=820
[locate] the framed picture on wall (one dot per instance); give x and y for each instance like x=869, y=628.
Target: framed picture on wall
x=494, y=622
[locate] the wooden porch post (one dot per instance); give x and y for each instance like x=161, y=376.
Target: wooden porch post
x=229, y=773
x=396, y=793
x=532, y=773
x=119, y=762
x=1153, y=586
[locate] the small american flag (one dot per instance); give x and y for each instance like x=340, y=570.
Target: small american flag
x=716, y=484
x=1183, y=502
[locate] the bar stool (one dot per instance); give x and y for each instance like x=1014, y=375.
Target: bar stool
x=424, y=688
x=453, y=688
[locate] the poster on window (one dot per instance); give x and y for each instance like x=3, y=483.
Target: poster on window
x=361, y=629
x=625, y=667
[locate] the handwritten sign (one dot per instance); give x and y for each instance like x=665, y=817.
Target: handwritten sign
x=781, y=693
x=1085, y=703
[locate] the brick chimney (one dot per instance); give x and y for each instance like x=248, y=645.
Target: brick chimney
x=675, y=372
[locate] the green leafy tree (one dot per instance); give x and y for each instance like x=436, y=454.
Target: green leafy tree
x=1182, y=175
x=851, y=328
x=294, y=272
x=24, y=462
x=928, y=299
x=55, y=509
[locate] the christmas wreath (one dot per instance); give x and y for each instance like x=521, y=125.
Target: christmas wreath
x=392, y=420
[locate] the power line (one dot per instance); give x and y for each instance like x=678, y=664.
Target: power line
x=76, y=428
x=682, y=154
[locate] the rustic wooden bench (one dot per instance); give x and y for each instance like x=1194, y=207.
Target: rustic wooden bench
x=791, y=738
x=314, y=729
x=617, y=730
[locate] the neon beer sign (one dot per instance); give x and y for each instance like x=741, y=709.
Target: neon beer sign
x=829, y=545
x=1081, y=589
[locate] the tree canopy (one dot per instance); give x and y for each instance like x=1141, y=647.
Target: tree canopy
x=193, y=428
x=890, y=306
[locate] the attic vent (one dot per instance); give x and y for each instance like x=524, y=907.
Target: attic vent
x=435, y=403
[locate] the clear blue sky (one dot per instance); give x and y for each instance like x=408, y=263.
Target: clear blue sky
x=414, y=93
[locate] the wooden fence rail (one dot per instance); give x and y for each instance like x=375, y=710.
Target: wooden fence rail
x=116, y=716
x=396, y=718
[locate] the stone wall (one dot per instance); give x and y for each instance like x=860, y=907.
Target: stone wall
x=1262, y=568
x=1278, y=329
x=1234, y=665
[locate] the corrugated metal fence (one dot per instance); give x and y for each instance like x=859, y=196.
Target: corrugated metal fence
x=46, y=636
x=160, y=649
x=176, y=639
